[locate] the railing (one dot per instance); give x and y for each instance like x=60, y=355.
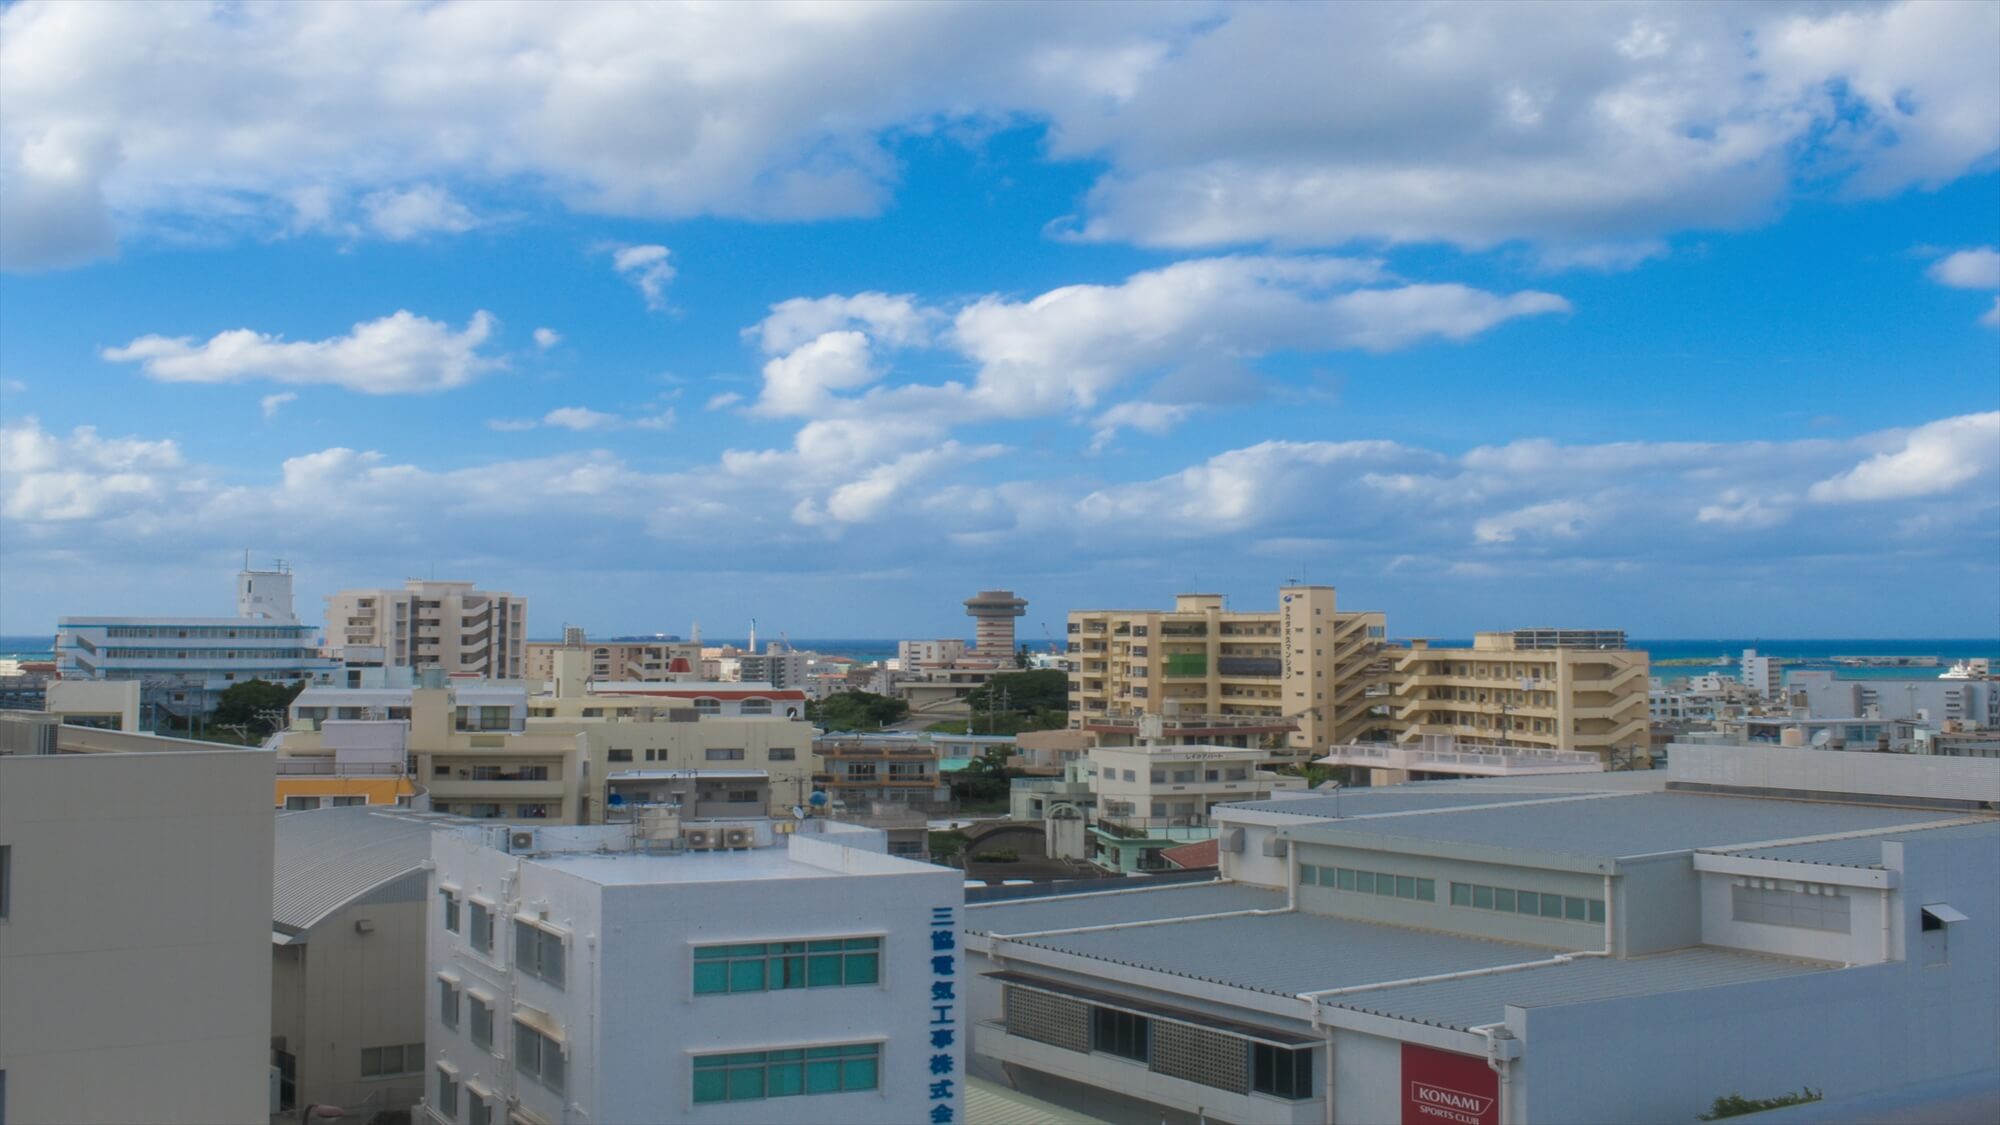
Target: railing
x=1141, y=827
x=313, y=767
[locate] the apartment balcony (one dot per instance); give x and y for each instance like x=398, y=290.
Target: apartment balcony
x=461, y=789
x=1162, y=829
x=1447, y=756
x=1615, y=682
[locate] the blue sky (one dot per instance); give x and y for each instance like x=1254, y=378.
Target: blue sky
x=1681, y=318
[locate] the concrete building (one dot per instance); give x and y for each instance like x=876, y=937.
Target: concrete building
x=1306, y=664
x=1927, y=699
x=347, y=959
x=135, y=901
x=449, y=625
x=864, y=769
x=1591, y=698
x=993, y=613
x=619, y=661
x=1152, y=798
x=748, y=972
x=184, y=664
x=1518, y=950
x=912, y=655
x=1762, y=676
x=778, y=665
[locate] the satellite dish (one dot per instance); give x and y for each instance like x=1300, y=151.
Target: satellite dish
x=615, y=800
x=798, y=812
x=1821, y=738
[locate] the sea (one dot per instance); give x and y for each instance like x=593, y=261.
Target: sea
x=1671, y=658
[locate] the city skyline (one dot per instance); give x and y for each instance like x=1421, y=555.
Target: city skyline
x=1683, y=319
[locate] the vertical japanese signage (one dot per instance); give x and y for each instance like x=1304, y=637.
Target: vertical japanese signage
x=944, y=1054
x=1442, y=1088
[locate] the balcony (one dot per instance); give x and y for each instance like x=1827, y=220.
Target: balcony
x=1444, y=755
x=1167, y=829
x=459, y=789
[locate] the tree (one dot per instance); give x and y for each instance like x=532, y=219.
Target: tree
x=255, y=705
x=1046, y=689
x=856, y=711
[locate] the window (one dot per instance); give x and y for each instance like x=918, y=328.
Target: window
x=1569, y=908
x=300, y=804
x=716, y=754
x=538, y=952
x=621, y=755
x=482, y=927
x=1281, y=1073
x=481, y=1108
x=482, y=1022
x=348, y=802
x=756, y=707
x=448, y=1003
x=539, y=1057
x=392, y=1062
x=756, y=1075
x=770, y=966
x=447, y=1095
x=1183, y=776
x=783, y=754
x=1809, y=906
x=1370, y=882
x=1120, y=1033
x=450, y=910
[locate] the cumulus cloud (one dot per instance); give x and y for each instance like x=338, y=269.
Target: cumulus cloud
x=546, y=338
x=47, y=478
x=1591, y=131
x=1935, y=458
x=579, y=419
x=399, y=354
x=722, y=400
x=647, y=268
x=270, y=404
x=1978, y=268
x=413, y=212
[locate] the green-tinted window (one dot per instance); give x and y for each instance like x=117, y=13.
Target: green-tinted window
x=755, y=1075
x=1461, y=894
x=710, y=1085
x=863, y=968
x=1427, y=890
x=823, y=970
x=1406, y=887
x=1308, y=874
x=1528, y=902
x=771, y=966
x=1576, y=909
x=1552, y=906
x=747, y=976
x=1346, y=879
x=1503, y=899
x=1597, y=910
x=711, y=976
x=1364, y=881
x=1482, y=897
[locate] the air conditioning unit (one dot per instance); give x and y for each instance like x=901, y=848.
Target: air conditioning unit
x=698, y=839
x=739, y=836
x=1274, y=846
x=521, y=840
x=1230, y=840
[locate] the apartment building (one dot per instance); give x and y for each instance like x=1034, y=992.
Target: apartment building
x=184, y=664
x=864, y=770
x=1306, y=665
x=449, y=625
x=1149, y=799
x=348, y=987
x=135, y=927
x=1506, y=690
x=911, y=655
x=624, y=661
x=1610, y=946
x=747, y=972
x=491, y=751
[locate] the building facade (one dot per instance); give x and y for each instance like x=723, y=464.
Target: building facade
x=1823, y=694
x=748, y=972
x=184, y=664
x=449, y=625
x=1306, y=665
x=135, y=927
x=993, y=613
x=1589, y=698
x=627, y=661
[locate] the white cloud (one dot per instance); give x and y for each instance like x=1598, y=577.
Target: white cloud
x=801, y=381
x=546, y=338
x=897, y=321
x=45, y=478
x=722, y=400
x=401, y=215
x=580, y=419
x=646, y=267
x=1156, y=418
x=1991, y=319
x=270, y=404
x=1935, y=458
x=1572, y=127
x=398, y=354
x=511, y=425
x=13, y=386
x=1978, y=268
x=1562, y=519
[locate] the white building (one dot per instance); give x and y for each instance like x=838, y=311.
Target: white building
x=691, y=972
x=450, y=625
x=135, y=927
x=911, y=655
x=1567, y=948
x=1917, y=699
x=1762, y=675
x=185, y=663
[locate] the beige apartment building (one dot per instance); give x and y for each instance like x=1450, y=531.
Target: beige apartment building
x=629, y=661
x=449, y=625
x=1559, y=690
x=1306, y=664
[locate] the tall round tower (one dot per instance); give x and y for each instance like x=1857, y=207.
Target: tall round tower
x=994, y=611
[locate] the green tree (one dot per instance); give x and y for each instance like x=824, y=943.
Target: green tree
x=256, y=706
x=1046, y=689
x=856, y=711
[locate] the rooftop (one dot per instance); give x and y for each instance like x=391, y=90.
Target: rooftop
x=626, y=869
x=1024, y=916
x=1866, y=851
x=1387, y=799
x=1619, y=825
x=327, y=858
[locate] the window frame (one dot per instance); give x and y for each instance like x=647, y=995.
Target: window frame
x=740, y=967
x=852, y=1068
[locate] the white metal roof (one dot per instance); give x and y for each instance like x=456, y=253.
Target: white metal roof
x=327, y=858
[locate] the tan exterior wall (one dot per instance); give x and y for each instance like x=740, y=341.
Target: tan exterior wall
x=449, y=624
x=630, y=662
x=134, y=960
x=1593, y=700
x=343, y=990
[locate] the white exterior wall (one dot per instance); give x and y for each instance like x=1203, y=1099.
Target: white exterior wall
x=628, y=1012
x=135, y=978
x=341, y=991
x=1836, y=771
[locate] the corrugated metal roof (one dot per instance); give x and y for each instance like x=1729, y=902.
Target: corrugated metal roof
x=1288, y=954
x=1866, y=851
x=1473, y=1001
x=1628, y=825
x=1400, y=798
x=989, y=1103
x=326, y=858
x=1027, y=916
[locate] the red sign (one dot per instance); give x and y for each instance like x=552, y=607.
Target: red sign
x=1441, y=1088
